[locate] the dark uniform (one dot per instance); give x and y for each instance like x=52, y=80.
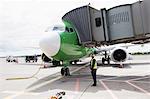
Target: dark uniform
x=93, y=70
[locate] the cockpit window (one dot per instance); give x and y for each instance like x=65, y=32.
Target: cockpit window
x=55, y=28
x=67, y=29
x=71, y=29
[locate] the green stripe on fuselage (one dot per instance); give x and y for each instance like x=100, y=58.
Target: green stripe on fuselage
x=70, y=48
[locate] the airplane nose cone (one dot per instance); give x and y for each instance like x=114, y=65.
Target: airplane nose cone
x=50, y=44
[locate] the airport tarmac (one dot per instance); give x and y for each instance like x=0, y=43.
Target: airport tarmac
x=130, y=82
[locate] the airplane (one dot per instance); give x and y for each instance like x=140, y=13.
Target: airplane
x=20, y=52
x=64, y=46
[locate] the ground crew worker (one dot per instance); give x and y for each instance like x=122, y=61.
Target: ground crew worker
x=93, y=70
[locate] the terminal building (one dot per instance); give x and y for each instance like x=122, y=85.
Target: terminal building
x=123, y=23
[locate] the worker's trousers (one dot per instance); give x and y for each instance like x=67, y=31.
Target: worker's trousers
x=93, y=72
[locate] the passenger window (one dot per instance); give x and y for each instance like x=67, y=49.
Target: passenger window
x=71, y=29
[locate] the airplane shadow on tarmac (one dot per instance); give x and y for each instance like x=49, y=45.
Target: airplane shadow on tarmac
x=82, y=81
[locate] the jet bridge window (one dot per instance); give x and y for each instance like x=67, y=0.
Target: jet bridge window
x=98, y=22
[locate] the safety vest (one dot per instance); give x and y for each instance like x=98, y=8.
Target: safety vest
x=95, y=65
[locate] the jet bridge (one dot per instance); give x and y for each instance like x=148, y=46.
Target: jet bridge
x=120, y=24
x=127, y=23
x=89, y=24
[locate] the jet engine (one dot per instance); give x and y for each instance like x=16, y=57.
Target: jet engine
x=119, y=55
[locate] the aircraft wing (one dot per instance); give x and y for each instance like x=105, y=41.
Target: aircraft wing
x=105, y=48
x=111, y=47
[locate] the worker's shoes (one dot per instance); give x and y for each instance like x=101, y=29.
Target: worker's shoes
x=94, y=85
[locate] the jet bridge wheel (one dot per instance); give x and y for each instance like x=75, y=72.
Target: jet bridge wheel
x=65, y=72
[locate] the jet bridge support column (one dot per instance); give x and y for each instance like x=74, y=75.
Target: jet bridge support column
x=106, y=58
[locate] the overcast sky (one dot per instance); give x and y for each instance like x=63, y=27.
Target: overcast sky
x=23, y=22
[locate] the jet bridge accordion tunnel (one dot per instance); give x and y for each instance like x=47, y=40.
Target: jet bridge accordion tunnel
x=120, y=24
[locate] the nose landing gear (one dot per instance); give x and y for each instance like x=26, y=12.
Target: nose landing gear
x=65, y=71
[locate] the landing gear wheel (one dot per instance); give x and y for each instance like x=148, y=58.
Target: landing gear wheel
x=106, y=59
x=108, y=62
x=67, y=72
x=103, y=60
x=62, y=71
x=75, y=62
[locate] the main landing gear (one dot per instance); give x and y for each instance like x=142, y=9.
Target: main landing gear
x=65, y=71
x=106, y=58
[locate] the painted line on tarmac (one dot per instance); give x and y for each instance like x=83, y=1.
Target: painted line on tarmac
x=18, y=93
x=109, y=78
x=139, y=78
x=115, y=80
x=40, y=85
x=55, y=79
x=13, y=92
x=14, y=95
x=108, y=90
x=127, y=80
x=139, y=88
x=141, y=82
x=77, y=85
x=79, y=68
